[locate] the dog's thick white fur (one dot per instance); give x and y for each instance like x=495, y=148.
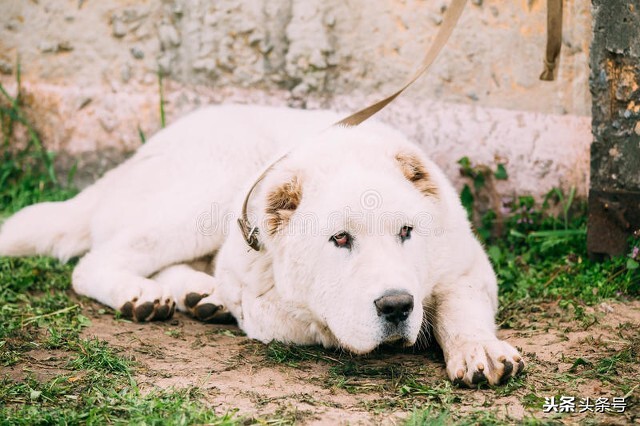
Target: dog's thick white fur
x=356, y=225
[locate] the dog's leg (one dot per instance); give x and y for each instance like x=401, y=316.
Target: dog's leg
x=116, y=272
x=195, y=292
x=463, y=323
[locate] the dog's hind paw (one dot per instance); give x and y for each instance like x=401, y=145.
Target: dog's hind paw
x=157, y=310
x=203, y=307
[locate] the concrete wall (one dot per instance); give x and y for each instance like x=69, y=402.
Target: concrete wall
x=90, y=68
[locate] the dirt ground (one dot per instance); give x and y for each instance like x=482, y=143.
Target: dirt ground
x=316, y=386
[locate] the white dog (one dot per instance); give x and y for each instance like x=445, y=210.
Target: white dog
x=363, y=241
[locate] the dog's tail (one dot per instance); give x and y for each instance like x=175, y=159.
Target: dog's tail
x=59, y=229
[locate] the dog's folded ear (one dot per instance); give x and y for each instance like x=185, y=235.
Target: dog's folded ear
x=415, y=171
x=282, y=201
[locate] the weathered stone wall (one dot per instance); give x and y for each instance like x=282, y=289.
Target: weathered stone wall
x=91, y=70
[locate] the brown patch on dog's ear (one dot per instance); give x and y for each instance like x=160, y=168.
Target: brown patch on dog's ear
x=416, y=173
x=282, y=202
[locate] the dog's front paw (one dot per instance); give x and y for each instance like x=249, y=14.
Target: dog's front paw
x=492, y=361
x=156, y=310
x=205, y=308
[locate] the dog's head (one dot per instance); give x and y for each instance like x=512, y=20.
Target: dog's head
x=348, y=221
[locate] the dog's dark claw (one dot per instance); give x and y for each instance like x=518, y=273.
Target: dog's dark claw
x=206, y=311
x=478, y=377
x=127, y=310
x=163, y=312
x=192, y=299
x=144, y=312
x=508, y=369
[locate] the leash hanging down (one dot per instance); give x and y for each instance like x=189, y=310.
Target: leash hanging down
x=554, y=39
x=449, y=22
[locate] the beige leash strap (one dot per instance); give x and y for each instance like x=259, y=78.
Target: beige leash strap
x=554, y=39
x=448, y=24
x=249, y=232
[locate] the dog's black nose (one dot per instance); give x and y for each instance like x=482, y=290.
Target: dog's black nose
x=395, y=306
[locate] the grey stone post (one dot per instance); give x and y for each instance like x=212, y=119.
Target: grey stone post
x=614, y=194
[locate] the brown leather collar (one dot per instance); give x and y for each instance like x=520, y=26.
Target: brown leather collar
x=249, y=232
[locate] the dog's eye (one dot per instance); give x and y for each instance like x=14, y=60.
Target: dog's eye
x=342, y=239
x=405, y=233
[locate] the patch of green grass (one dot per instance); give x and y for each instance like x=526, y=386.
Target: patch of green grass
x=429, y=416
x=35, y=309
x=27, y=175
x=96, y=355
x=613, y=368
x=283, y=416
x=96, y=386
x=528, y=277
x=228, y=332
x=440, y=393
x=512, y=386
x=538, y=248
x=356, y=376
x=293, y=355
x=96, y=399
x=542, y=257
